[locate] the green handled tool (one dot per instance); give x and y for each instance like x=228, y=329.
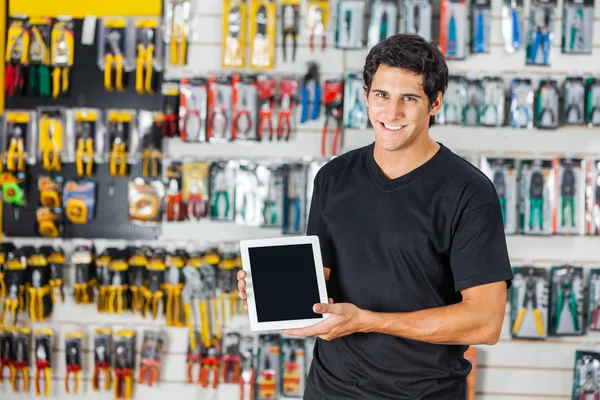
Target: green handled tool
x=536, y=200
x=567, y=194
x=566, y=290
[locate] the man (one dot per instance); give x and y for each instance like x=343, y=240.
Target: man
x=413, y=241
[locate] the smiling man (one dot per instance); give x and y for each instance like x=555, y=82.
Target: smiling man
x=413, y=239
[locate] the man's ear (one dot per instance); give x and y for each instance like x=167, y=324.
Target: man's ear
x=366, y=93
x=436, y=105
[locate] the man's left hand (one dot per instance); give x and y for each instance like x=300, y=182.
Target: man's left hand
x=343, y=319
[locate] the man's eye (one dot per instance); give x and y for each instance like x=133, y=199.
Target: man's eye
x=408, y=98
x=381, y=95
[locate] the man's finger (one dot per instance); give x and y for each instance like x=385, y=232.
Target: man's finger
x=242, y=285
x=242, y=295
x=246, y=306
x=303, y=332
x=327, y=272
x=241, y=274
x=323, y=308
x=330, y=300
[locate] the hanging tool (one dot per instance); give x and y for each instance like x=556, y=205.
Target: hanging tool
x=219, y=119
x=567, y=195
x=173, y=287
x=152, y=290
x=516, y=26
x=267, y=381
x=82, y=259
x=284, y=128
x=124, y=347
x=114, y=62
x=590, y=384
x=542, y=38
x=221, y=189
x=118, y=296
x=73, y=360
x=316, y=15
x=138, y=266
x=576, y=37
x=61, y=59
x=51, y=134
x=38, y=292
x=190, y=295
x=118, y=152
x=269, y=211
x=243, y=119
x=333, y=110
x=39, y=60
x=43, y=360
x=197, y=206
x=178, y=44
x=265, y=115
x=233, y=54
x=209, y=316
x=546, y=101
x=231, y=358
x=104, y=278
x=84, y=152
x=15, y=155
x=56, y=259
x=358, y=112
x=193, y=355
x=566, y=292
x=174, y=201
x=312, y=76
x=260, y=48
x=291, y=375
x=6, y=353
x=102, y=358
x=194, y=121
x=289, y=28
x=536, y=200
x=20, y=361
x=529, y=298
x=292, y=200
x=145, y=62
x=479, y=45
x=452, y=47
x=150, y=358
x=247, y=378
x=14, y=74
x=209, y=372
x=15, y=279
x=151, y=154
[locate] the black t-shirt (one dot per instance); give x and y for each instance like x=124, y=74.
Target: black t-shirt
x=401, y=245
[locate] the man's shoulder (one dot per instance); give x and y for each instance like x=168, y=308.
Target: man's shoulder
x=333, y=169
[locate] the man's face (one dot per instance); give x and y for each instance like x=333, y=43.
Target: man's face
x=398, y=107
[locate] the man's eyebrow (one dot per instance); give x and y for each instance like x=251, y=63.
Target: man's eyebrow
x=402, y=95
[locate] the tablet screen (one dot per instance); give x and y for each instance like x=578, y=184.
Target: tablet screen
x=285, y=282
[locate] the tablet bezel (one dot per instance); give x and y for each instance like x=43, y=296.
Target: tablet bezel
x=245, y=245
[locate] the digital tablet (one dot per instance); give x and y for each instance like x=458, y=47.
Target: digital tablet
x=284, y=280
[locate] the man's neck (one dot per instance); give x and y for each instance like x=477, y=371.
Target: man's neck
x=395, y=164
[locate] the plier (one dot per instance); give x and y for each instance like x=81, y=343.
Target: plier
x=194, y=121
x=122, y=374
x=318, y=28
x=530, y=297
x=516, y=26
x=113, y=60
x=151, y=155
x=60, y=73
x=101, y=362
x=42, y=363
x=356, y=116
x=576, y=34
x=260, y=51
x=221, y=190
x=589, y=385
x=284, y=128
x=311, y=76
x=265, y=114
x=12, y=301
x=144, y=62
x=73, y=367
x=169, y=125
x=37, y=293
x=16, y=149
x=335, y=111
x=542, y=37
x=13, y=80
x=219, y=120
x=243, y=120
x=197, y=207
x=232, y=47
x=536, y=200
x=567, y=195
x=82, y=275
x=566, y=292
x=289, y=27
x=293, y=200
x=152, y=293
x=178, y=45
x=173, y=288
x=118, y=152
x=209, y=372
x=192, y=291
x=6, y=353
x=231, y=360
x=193, y=356
x=269, y=211
x=50, y=151
x=20, y=364
x=174, y=202
x=85, y=150
x=39, y=59
x=117, y=294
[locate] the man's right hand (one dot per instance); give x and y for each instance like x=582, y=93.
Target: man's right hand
x=241, y=277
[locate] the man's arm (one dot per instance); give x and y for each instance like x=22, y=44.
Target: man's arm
x=476, y=320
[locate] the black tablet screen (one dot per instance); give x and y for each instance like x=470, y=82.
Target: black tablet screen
x=285, y=282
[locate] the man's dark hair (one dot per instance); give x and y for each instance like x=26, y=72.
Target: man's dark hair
x=412, y=53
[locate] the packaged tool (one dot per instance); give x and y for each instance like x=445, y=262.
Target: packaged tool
x=529, y=302
x=18, y=139
x=177, y=30
x=503, y=174
x=455, y=101
x=383, y=22
x=21, y=347
x=310, y=94
x=52, y=137
x=569, y=211
x=139, y=258
x=287, y=98
x=122, y=140
x=245, y=107
x=234, y=33
x=15, y=278
x=453, y=32
x=88, y=140
x=268, y=369
x=537, y=189
x=566, y=301
x=124, y=348
x=578, y=26
x=592, y=198
x=209, y=370
x=295, y=199
x=194, y=355
x=43, y=360
x=227, y=284
x=118, y=299
x=103, y=275
x=152, y=347
x=542, y=20
x=55, y=257
x=145, y=201
x=38, y=288
x=475, y=104
x=290, y=26
x=574, y=101
x=38, y=83
x=79, y=198
x=355, y=107
x=209, y=308
x=83, y=259
x=592, y=101
x=116, y=51
x=220, y=108
x=317, y=20
x=102, y=358
x=262, y=34
x=333, y=100
x=513, y=24
x=4, y=249
x=171, y=94
x=62, y=55
x=349, y=24
x=174, y=208
x=73, y=355
x=222, y=190
x=193, y=109
x=270, y=194
x=293, y=367
x=6, y=352
x=153, y=286
x=49, y=215
x=586, y=375
x=417, y=18
x=195, y=189
x=521, y=103
x=547, y=107
x=492, y=113
x=150, y=143
x=17, y=55
x=191, y=295
x=247, y=201
x=231, y=360
x=247, y=373
x=594, y=300
x=148, y=64
x=481, y=22
x=173, y=287
x=267, y=90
